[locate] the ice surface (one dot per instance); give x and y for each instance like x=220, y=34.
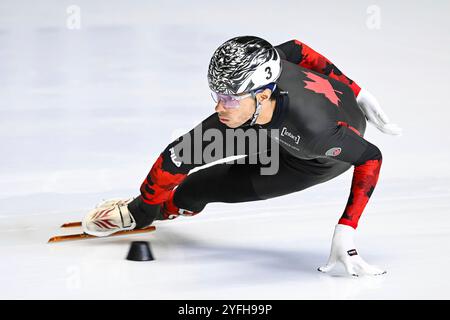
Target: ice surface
x=84, y=113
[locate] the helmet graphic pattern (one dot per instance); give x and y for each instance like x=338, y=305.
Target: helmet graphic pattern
x=235, y=61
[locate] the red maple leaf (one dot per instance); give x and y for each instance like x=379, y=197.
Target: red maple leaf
x=322, y=85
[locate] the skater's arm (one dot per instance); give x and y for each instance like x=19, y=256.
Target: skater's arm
x=299, y=53
x=180, y=157
x=345, y=144
x=366, y=159
x=171, y=167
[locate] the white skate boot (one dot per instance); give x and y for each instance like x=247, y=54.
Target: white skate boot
x=109, y=217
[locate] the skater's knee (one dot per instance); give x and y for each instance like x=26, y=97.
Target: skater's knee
x=188, y=199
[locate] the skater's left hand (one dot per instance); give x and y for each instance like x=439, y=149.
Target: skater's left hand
x=343, y=250
x=375, y=115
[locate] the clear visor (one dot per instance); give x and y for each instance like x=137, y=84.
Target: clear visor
x=230, y=101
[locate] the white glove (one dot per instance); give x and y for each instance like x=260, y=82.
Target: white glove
x=343, y=250
x=374, y=114
x=109, y=217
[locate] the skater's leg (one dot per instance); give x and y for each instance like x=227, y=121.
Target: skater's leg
x=242, y=183
x=232, y=183
x=219, y=183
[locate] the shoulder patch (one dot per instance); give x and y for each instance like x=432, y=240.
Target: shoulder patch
x=333, y=152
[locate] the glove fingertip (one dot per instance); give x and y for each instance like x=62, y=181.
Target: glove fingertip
x=321, y=269
x=325, y=269
x=384, y=117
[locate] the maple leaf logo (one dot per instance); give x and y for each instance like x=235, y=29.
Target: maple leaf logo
x=323, y=86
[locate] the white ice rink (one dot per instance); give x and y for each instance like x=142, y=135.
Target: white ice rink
x=85, y=112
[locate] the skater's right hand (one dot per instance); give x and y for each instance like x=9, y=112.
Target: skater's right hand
x=108, y=217
x=114, y=201
x=343, y=251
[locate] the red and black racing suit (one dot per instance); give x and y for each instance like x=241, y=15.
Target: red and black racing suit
x=323, y=138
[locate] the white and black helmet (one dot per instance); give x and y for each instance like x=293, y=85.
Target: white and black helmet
x=243, y=64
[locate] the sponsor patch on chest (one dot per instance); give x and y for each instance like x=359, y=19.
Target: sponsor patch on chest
x=295, y=137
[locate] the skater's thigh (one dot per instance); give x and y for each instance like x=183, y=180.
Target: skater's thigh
x=296, y=175
x=218, y=183
x=246, y=182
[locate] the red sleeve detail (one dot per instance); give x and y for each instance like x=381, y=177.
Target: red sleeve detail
x=345, y=124
x=159, y=183
x=311, y=59
x=365, y=178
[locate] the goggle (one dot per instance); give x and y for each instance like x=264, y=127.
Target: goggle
x=230, y=101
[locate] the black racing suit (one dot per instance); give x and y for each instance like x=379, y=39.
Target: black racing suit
x=321, y=136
